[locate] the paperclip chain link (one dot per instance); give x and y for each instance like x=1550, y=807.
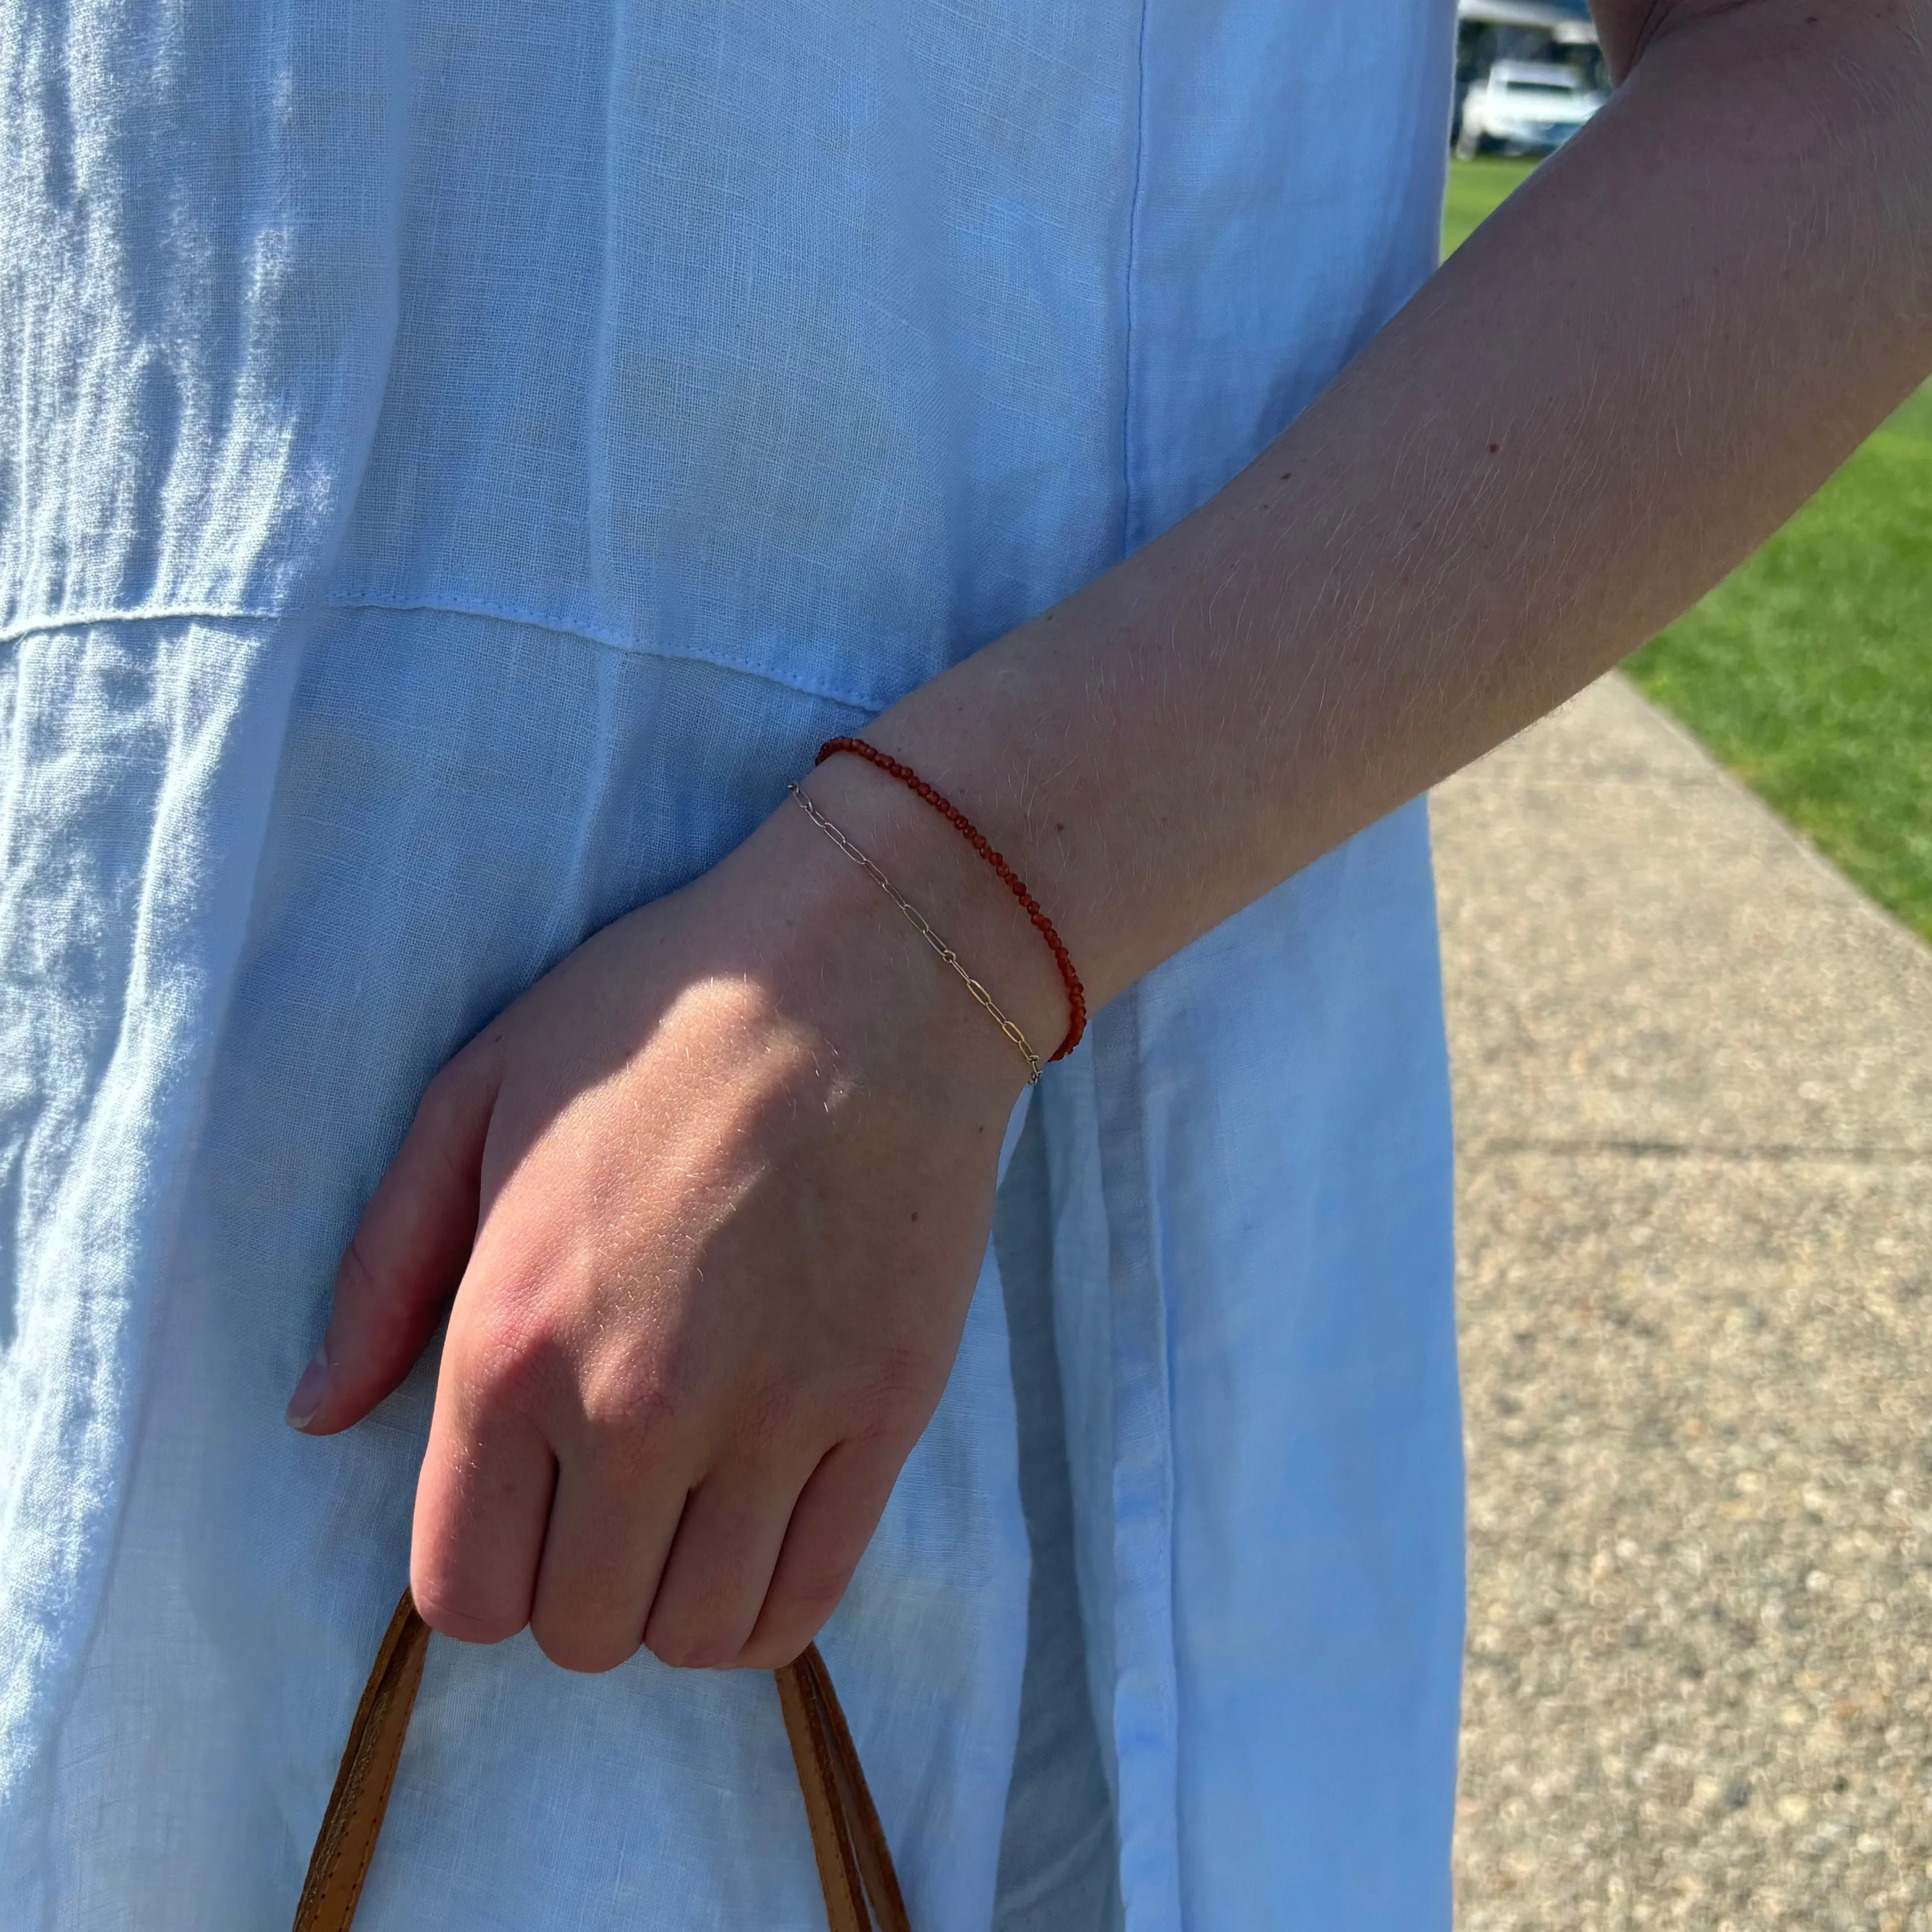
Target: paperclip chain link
x=918, y=923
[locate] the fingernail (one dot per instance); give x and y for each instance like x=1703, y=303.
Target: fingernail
x=307, y=1397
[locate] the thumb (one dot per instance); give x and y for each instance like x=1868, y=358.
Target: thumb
x=407, y=1253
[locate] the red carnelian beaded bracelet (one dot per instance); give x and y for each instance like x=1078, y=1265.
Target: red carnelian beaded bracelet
x=1076, y=994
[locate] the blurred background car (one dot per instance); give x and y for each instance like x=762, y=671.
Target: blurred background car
x=1525, y=107
x=1549, y=33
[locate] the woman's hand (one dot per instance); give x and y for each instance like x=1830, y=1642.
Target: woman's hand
x=717, y=1190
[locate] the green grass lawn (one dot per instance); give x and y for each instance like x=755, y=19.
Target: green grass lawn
x=1808, y=671
x=1476, y=190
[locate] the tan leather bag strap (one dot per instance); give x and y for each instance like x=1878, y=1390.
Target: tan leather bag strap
x=855, y=1864
x=354, y=1819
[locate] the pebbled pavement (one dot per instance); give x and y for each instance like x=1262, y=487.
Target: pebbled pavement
x=1693, y=1084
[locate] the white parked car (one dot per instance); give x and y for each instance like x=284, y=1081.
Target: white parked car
x=1525, y=107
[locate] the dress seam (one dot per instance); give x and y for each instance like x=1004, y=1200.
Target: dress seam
x=80, y=620
x=172, y=613
x=612, y=641
x=1127, y=292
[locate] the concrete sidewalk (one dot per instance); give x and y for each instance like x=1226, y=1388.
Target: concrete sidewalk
x=1693, y=1080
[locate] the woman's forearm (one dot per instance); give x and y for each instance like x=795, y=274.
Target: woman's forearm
x=718, y=1189
x=1638, y=368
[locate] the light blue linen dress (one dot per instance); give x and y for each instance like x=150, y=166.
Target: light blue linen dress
x=456, y=459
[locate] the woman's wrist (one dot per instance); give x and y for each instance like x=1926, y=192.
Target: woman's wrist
x=932, y=865
x=855, y=968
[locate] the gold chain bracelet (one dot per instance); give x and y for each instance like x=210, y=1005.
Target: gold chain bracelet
x=917, y=920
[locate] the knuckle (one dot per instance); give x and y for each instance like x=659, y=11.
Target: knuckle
x=356, y=1275
x=640, y=1415
x=809, y=1598
x=771, y=1653
x=628, y=1410
x=767, y=1423
x=375, y=1315
x=465, y=1624
x=696, y=1624
x=691, y=1649
x=795, y=1614
x=785, y=1642
x=896, y=1400
x=589, y=1652
x=516, y=1365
